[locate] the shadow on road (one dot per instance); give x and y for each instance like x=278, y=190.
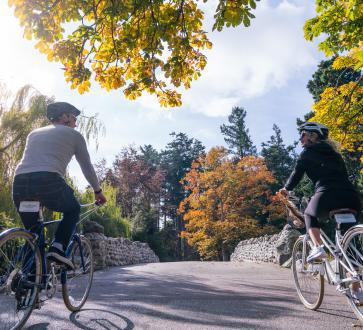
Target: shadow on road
x=39, y=326
x=90, y=319
x=186, y=300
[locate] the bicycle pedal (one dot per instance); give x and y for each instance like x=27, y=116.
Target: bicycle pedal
x=341, y=289
x=39, y=304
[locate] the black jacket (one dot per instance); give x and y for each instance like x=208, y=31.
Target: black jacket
x=323, y=165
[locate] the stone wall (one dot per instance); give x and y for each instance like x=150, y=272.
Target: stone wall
x=269, y=248
x=108, y=251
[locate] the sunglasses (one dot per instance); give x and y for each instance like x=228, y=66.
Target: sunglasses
x=73, y=117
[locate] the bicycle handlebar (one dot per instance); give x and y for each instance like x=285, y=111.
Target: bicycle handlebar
x=294, y=213
x=89, y=204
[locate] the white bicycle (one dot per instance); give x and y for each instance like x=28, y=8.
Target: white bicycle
x=342, y=267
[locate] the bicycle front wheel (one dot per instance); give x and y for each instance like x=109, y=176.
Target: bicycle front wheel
x=77, y=283
x=308, y=280
x=352, y=245
x=20, y=277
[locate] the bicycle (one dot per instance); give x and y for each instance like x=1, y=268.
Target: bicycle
x=25, y=271
x=342, y=267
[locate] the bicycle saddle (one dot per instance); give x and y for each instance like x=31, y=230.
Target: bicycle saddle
x=29, y=206
x=343, y=215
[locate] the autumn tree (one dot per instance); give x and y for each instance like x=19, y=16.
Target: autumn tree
x=236, y=134
x=176, y=161
x=278, y=157
x=340, y=107
x=328, y=77
x=138, y=184
x=228, y=202
x=345, y=35
x=152, y=46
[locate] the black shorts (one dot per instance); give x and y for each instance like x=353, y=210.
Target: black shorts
x=323, y=202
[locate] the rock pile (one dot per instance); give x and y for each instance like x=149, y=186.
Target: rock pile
x=120, y=251
x=269, y=248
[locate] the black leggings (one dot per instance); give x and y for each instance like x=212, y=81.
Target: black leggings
x=323, y=202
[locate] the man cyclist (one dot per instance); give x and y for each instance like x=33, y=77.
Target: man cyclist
x=325, y=167
x=40, y=174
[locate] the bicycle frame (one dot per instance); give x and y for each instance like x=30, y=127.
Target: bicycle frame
x=339, y=255
x=39, y=240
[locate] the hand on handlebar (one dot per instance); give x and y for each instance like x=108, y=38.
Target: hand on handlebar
x=283, y=192
x=100, y=199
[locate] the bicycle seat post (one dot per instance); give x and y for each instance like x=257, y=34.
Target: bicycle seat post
x=41, y=216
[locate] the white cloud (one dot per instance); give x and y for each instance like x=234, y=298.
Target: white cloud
x=248, y=62
x=245, y=63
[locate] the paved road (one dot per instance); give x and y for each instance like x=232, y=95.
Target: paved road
x=195, y=295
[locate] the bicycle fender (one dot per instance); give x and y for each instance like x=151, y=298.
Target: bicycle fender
x=14, y=230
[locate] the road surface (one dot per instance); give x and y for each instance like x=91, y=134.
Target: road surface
x=195, y=295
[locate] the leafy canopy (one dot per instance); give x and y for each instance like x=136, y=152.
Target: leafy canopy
x=340, y=106
x=144, y=45
x=341, y=24
x=227, y=202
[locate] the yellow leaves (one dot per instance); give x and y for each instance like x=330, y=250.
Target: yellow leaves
x=42, y=47
x=169, y=98
x=341, y=110
x=83, y=87
x=342, y=62
x=340, y=24
x=353, y=60
x=136, y=38
x=110, y=78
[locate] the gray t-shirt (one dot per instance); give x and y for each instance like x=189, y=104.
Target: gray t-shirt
x=51, y=148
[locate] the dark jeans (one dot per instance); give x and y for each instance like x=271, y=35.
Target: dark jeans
x=51, y=191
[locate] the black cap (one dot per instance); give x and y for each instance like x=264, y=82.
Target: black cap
x=56, y=109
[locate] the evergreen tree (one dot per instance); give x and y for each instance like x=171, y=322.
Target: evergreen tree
x=176, y=161
x=237, y=135
x=150, y=155
x=326, y=76
x=279, y=158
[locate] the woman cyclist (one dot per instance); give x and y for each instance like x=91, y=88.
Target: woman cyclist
x=325, y=167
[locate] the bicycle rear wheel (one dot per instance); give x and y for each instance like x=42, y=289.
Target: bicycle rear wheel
x=309, y=282
x=20, y=277
x=352, y=245
x=77, y=283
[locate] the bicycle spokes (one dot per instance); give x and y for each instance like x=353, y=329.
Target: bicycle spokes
x=19, y=278
x=77, y=282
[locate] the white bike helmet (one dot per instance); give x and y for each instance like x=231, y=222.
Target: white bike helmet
x=311, y=126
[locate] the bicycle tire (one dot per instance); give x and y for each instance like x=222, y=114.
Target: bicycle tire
x=18, y=254
x=74, y=294
x=309, y=283
x=353, y=238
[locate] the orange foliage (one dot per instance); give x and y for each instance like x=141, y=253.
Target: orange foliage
x=228, y=202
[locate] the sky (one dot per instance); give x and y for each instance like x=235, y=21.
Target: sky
x=263, y=68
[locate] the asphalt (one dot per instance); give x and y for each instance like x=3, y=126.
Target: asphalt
x=195, y=295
